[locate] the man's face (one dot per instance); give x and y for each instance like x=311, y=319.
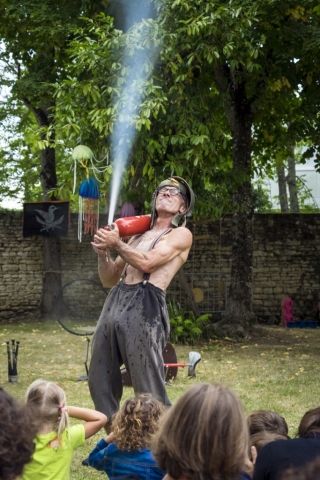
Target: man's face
x=170, y=200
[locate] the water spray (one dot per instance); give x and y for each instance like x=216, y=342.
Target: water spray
x=139, y=61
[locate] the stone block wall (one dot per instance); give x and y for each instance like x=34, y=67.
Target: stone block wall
x=286, y=259
x=286, y=263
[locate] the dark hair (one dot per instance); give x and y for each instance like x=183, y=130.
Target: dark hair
x=17, y=431
x=137, y=421
x=266, y=420
x=203, y=436
x=310, y=422
x=309, y=471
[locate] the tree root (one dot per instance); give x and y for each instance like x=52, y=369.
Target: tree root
x=236, y=328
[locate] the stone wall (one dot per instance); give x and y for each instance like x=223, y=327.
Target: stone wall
x=286, y=259
x=286, y=263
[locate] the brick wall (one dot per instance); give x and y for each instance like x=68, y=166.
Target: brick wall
x=286, y=263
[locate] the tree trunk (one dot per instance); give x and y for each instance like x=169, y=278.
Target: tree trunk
x=51, y=274
x=240, y=116
x=188, y=291
x=51, y=245
x=291, y=180
x=282, y=184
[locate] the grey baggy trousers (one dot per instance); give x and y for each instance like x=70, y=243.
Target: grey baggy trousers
x=133, y=330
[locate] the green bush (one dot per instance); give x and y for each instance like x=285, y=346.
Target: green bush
x=186, y=328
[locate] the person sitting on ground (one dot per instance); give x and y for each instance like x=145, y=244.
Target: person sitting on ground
x=275, y=457
x=260, y=439
x=126, y=450
x=18, y=428
x=310, y=471
x=266, y=426
x=56, y=441
x=266, y=420
x=203, y=436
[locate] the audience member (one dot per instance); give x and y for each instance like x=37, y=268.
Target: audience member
x=203, y=436
x=260, y=439
x=17, y=431
x=265, y=426
x=266, y=420
x=311, y=471
x=126, y=451
x=56, y=441
x=275, y=457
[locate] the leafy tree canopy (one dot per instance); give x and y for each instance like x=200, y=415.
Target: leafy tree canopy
x=183, y=124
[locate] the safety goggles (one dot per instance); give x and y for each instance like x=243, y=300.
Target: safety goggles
x=171, y=190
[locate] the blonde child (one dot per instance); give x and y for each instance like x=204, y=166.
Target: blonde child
x=126, y=451
x=56, y=440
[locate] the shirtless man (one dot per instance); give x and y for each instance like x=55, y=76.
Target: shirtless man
x=134, y=326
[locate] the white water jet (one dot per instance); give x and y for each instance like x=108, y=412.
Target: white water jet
x=131, y=95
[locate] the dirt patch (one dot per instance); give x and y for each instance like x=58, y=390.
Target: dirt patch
x=277, y=335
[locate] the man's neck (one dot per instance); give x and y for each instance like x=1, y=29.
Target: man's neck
x=162, y=223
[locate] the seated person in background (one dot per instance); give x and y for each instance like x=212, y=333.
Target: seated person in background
x=203, y=436
x=310, y=471
x=17, y=431
x=126, y=450
x=266, y=420
x=260, y=439
x=275, y=457
x=266, y=426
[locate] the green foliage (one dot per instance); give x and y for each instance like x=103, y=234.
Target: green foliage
x=186, y=328
x=181, y=125
x=20, y=172
x=307, y=203
x=261, y=197
x=34, y=37
x=173, y=131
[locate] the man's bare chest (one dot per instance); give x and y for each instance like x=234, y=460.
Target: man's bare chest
x=148, y=239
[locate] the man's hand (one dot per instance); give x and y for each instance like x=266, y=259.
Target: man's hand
x=105, y=240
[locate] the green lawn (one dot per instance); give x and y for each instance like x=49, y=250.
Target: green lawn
x=277, y=369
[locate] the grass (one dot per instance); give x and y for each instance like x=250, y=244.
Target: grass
x=277, y=369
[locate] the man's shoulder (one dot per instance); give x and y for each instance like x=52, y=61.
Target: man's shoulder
x=182, y=231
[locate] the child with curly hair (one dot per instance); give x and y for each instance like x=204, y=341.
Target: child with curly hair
x=126, y=451
x=56, y=441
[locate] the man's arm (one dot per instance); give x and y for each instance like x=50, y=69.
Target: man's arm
x=108, y=269
x=178, y=242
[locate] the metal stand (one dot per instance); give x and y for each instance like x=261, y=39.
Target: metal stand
x=12, y=361
x=85, y=377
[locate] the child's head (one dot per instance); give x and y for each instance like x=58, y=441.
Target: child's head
x=137, y=421
x=310, y=422
x=266, y=420
x=17, y=431
x=260, y=439
x=49, y=399
x=203, y=436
